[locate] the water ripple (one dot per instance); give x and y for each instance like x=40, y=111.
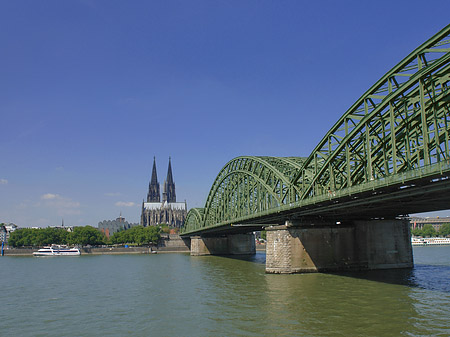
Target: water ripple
x=175, y=294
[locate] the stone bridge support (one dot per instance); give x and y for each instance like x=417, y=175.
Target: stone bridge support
x=233, y=244
x=299, y=247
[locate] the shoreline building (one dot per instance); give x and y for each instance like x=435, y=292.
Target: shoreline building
x=3, y=234
x=109, y=227
x=5, y=231
x=436, y=222
x=169, y=211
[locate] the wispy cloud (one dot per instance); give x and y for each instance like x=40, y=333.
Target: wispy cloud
x=3, y=182
x=125, y=203
x=50, y=196
x=113, y=194
x=62, y=205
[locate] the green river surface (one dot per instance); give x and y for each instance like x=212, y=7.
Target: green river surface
x=180, y=295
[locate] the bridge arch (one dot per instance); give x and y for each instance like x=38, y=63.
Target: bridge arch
x=247, y=185
x=194, y=218
x=398, y=126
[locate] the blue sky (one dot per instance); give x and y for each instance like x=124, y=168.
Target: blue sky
x=91, y=91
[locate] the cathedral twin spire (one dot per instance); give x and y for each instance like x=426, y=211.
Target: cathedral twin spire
x=154, y=194
x=153, y=187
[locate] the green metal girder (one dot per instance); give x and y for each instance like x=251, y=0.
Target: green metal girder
x=395, y=132
x=250, y=183
x=194, y=218
x=247, y=185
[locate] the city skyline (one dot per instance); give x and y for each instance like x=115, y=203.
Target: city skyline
x=91, y=91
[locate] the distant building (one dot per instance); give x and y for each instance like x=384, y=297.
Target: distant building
x=5, y=230
x=435, y=222
x=3, y=234
x=66, y=228
x=169, y=211
x=10, y=227
x=109, y=227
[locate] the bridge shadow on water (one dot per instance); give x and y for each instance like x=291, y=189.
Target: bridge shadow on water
x=258, y=258
x=422, y=276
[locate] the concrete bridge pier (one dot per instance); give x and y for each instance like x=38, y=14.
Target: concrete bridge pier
x=232, y=244
x=314, y=246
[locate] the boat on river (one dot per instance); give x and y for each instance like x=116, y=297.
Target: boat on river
x=430, y=241
x=56, y=250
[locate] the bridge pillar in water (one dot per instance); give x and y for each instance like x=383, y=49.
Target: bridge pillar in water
x=233, y=244
x=299, y=247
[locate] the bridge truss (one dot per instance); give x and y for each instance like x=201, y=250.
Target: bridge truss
x=392, y=145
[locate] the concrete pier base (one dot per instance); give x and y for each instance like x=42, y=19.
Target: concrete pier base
x=299, y=247
x=235, y=244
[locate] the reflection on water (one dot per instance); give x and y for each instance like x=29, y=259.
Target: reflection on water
x=332, y=303
x=419, y=277
x=175, y=294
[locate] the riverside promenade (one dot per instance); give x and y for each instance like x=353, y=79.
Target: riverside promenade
x=103, y=251
x=116, y=250
x=168, y=244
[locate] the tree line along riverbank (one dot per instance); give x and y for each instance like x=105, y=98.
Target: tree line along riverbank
x=83, y=236
x=137, y=240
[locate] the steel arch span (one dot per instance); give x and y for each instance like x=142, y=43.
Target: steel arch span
x=391, y=145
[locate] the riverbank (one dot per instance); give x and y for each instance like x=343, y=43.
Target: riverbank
x=103, y=251
x=114, y=250
x=172, y=243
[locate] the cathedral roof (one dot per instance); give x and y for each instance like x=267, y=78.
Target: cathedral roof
x=160, y=205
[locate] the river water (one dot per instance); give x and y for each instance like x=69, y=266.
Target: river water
x=180, y=295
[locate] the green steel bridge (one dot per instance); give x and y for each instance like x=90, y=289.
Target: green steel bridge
x=386, y=157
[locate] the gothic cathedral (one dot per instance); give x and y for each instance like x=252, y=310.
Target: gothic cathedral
x=169, y=211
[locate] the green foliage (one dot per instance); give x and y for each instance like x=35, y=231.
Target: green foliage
x=87, y=235
x=427, y=231
x=444, y=230
x=165, y=228
x=416, y=232
x=46, y=236
x=138, y=235
x=264, y=235
x=38, y=237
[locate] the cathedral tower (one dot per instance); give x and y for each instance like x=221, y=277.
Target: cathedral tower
x=154, y=194
x=169, y=187
x=169, y=211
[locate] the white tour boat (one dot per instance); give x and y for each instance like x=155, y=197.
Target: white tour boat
x=55, y=250
x=430, y=241
x=417, y=241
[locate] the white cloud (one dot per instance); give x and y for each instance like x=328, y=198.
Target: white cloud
x=62, y=205
x=114, y=194
x=3, y=182
x=125, y=203
x=50, y=196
